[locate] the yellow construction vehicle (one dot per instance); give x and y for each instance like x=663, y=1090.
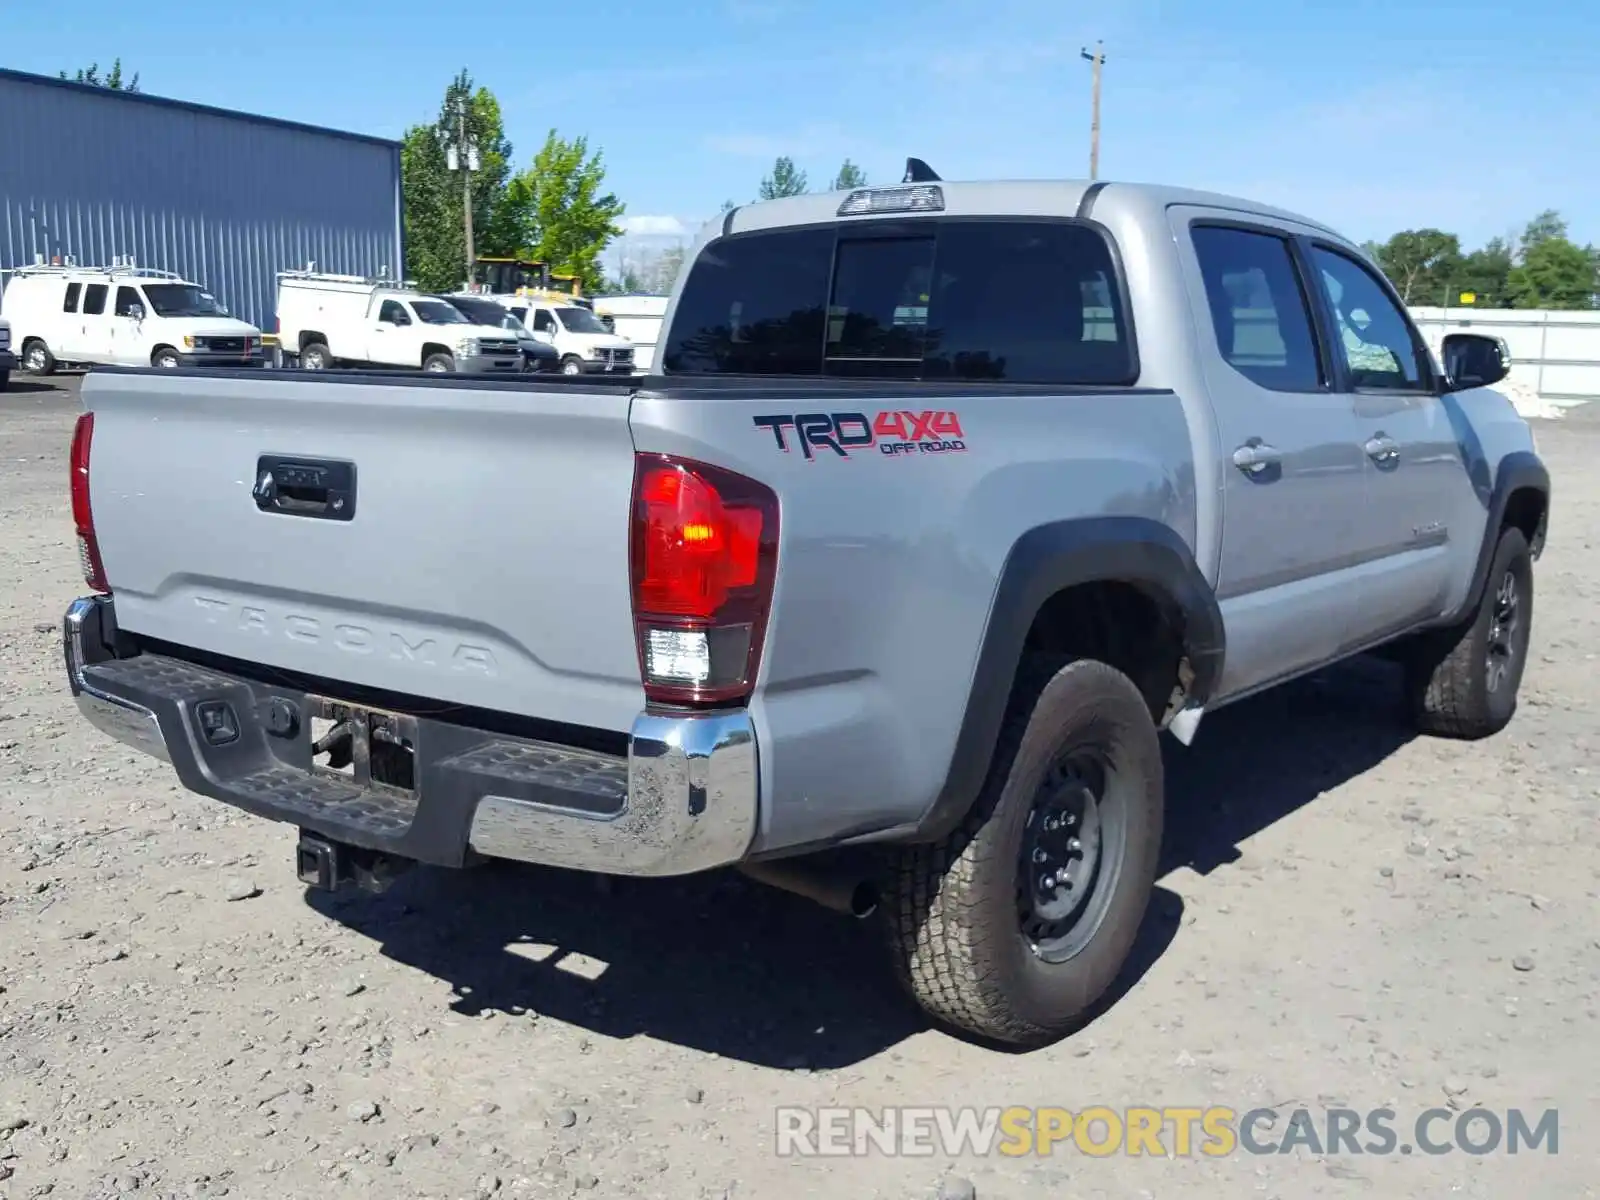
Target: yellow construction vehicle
x=526, y=279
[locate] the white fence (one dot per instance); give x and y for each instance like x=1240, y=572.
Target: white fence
x=1554, y=355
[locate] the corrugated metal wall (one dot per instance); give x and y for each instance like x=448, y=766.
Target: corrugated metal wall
x=225, y=199
x=1555, y=354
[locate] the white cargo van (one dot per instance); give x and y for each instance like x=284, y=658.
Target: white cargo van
x=124, y=315
x=328, y=320
x=638, y=318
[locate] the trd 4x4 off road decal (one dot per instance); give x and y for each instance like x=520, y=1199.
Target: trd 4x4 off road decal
x=896, y=434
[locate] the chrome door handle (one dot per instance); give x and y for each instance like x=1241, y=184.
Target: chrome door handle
x=1255, y=457
x=1382, y=448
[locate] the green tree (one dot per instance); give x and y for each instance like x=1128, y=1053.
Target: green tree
x=432, y=194
x=849, y=176
x=113, y=80
x=1485, y=272
x=1421, y=263
x=1547, y=226
x=786, y=180
x=559, y=212
x=1553, y=273
x=664, y=268
x=625, y=282
x=728, y=206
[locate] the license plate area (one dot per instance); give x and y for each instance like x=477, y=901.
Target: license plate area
x=368, y=747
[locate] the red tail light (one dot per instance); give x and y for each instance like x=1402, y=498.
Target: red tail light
x=705, y=553
x=94, y=571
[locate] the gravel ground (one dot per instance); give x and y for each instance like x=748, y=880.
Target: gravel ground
x=1350, y=917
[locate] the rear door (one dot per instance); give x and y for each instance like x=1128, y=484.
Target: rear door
x=1294, y=472
x=94, y=329
x=62, y=325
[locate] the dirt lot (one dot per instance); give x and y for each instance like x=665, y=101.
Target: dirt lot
x=1350, y=918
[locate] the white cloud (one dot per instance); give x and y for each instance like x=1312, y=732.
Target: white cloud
x=654, y=226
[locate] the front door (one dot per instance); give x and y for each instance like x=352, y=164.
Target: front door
x=1292, y=469
x=388, y=340
x=1425, y=518
x=124, y=329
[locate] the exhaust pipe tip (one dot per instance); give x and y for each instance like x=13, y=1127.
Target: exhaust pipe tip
x=863, y=900
x=849, y=895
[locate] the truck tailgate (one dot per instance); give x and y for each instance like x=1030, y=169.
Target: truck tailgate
x=483, y=560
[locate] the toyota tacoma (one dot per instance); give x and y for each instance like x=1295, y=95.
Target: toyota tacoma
x=945, y=501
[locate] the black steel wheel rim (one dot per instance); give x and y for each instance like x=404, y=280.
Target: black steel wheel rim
x=1505, y=624
x=1071, y=854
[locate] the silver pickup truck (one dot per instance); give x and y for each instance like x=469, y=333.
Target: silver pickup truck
x=947, y=498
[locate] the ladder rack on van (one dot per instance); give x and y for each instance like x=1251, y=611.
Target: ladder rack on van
x=309, y=274
x=142, y=273
x=122, y=266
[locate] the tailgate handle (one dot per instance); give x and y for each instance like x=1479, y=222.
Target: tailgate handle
x=305, y=487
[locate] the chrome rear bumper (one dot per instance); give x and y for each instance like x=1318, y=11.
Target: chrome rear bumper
x=682, y=798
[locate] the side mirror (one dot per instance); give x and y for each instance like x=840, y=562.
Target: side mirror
x=136, y=312
x=1473, y=360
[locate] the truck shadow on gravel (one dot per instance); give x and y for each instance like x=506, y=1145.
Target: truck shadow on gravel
x=721, y=964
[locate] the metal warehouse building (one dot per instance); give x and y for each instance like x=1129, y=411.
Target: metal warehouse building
x=223, y=198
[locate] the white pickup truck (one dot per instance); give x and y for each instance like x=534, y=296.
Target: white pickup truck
x=328, y=320
x=586, y=346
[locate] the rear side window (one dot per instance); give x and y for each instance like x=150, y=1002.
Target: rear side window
x=1002, y=301
x=1029, y=303
x=1258, y=308
x=94, y=299
x=70, y=304
x=754, y=305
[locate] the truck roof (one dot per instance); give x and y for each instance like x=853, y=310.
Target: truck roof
x=1016, y=197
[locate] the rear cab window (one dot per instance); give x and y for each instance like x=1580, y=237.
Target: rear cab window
x=947, y=299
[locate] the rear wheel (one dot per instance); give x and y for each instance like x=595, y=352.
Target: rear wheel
x=1463, y=682
x=1018, y=923
x=165, y=357
x=439, y=364
x=36, y=357
x=314, y=357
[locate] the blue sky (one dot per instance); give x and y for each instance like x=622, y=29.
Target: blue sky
x=1373, y=115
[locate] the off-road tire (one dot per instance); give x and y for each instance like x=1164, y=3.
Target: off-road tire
x=951, y=908
x=1448, y=672
x=314, y=356
x=31, y=360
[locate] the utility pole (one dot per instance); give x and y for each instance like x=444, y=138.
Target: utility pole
x=461, y=153
x=1098, y=59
